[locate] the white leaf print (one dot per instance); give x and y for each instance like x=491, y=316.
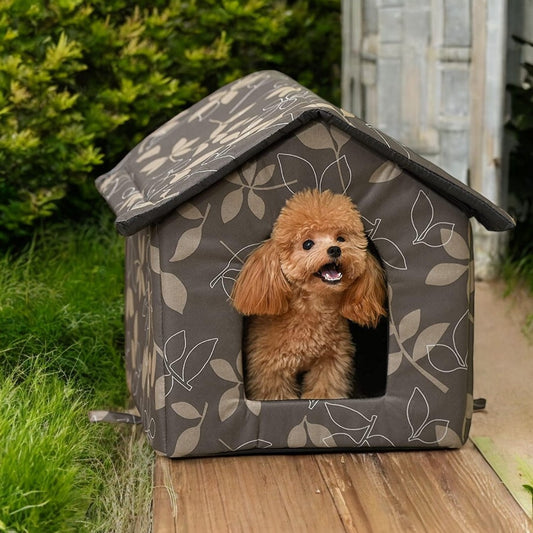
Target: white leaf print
x=422, y=428
x=352, y=420
x=433, y=235
x=391, y=254
x=421, y=214
x=175, y=346
x=385, y=172
x=297, y=169
x=445, y=274
x=444, y=358
x=197, y=359
x=174, y=292
x=337, y=176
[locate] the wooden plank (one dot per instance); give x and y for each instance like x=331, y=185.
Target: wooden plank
x=437, y=491
x=248, y=494
x=503, y=370
x=420, y=491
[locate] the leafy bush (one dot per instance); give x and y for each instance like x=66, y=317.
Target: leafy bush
x=81, y=82
x=520, y=175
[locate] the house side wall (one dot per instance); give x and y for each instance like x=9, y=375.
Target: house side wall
x=145, y=366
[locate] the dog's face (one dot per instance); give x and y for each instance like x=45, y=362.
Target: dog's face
x=318, y=246
x=321, y=242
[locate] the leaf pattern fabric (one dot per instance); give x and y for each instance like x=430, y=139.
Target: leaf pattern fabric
x=200, y=194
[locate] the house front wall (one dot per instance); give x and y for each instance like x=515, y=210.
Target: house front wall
x=184, y=338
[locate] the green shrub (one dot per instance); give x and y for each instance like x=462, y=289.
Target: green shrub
x=520, y=175
x=81, y=82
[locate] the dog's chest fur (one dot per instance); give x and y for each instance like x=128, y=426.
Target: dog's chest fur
x=311, y=329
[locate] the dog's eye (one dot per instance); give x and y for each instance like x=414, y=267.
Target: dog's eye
x=341, y=239
x=308, y=244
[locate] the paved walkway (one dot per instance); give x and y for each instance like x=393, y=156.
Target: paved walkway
x=503, y=374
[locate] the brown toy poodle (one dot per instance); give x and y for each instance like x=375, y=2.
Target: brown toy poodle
x=300, y=287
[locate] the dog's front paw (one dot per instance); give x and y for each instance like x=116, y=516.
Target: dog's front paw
x=324, y=394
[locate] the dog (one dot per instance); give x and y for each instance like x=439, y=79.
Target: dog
x=299, y=288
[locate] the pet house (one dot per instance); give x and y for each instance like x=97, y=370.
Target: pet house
x=199, y=194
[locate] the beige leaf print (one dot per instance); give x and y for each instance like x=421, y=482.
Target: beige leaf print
x=154, y=259
x=264, y=175
x=409, y=325
x=386, y=172
x=187, y=442
x=160, y=391
x=153, y=165
x=445, y=274
x=297, y=436
x=231, y=205
x=454, y=244
x=316, y=136
x=428, y=337
x=317, y=433
x=224, y=370
x=150, y=153
x=191, y=238
x=229, y=402
x=187, y=244
x=174, y=292
x=256, y=204
x=186, y=410
x=189, y=211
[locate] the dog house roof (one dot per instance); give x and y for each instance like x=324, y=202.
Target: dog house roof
x=212, y=138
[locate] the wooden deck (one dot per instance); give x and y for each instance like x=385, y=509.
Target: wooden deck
x=414, y=491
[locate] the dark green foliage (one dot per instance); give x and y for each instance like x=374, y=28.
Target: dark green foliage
x=81, y=82
x=520, y=175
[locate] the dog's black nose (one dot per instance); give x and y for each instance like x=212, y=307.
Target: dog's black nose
x=334, y=251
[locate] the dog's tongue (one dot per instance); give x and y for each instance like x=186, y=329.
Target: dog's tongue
x=330, y=273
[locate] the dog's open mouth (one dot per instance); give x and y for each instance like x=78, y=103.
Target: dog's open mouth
x=329, y=273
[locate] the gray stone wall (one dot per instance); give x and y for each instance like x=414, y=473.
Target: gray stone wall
x=432, y=74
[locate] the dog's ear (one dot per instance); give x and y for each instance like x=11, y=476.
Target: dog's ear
x=261, y=288
x=364, y=301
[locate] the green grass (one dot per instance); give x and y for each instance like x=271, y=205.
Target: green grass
x=61, y=354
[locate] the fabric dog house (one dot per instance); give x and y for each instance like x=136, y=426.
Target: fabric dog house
x=199, y=194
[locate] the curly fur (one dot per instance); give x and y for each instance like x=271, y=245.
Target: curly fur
x=298, y=343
